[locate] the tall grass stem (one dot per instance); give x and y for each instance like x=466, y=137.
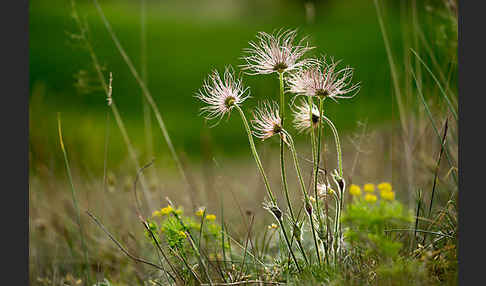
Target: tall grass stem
x=75, y=201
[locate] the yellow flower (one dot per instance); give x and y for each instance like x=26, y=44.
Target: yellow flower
x=385, y=187
x=167, y=210
x=183, y=234
x=312, y=199
x=155, y=213
x=200, y=211
x=369, y=188
x=274, y=226
x=210, y=217
x=387, y=195
x=355, y=190
x=370, y=198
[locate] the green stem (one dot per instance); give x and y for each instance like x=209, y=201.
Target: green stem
x=338, y=144
x=317, y=157
x=336, y=233
x=75, y=201
x=255, y=154
x=282, y=147
x=267, y=185
x=288, y=244
x=302, y=184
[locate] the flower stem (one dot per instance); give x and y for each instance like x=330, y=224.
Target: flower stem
x=302, y=184
x=255, y=154
x=282, y=148
x=288, y=244
x=317, y=153
x=338, y=145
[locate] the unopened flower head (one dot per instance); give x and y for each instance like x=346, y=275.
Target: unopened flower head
x=323, y=80
x=266, y=121
x=324, y=189
x=302, y=118
x=276, y=53
x=221, y=94
x=273, y=209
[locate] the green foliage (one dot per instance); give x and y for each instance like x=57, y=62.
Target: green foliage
x=174, y=228
x=368, y=224
x=403, y=271
x=370, y=231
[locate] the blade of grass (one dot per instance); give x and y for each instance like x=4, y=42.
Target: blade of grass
x=417, y=214
x=145, y=92
x=75, y=201
x=449, y=104
x=437, y=166
x=144, y=74
x=222, y=232
x=83, y=29
x=393, y=68
x=429, y=115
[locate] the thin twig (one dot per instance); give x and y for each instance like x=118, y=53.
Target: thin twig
x=248, y=282
x=133, y=257
x=139, y=172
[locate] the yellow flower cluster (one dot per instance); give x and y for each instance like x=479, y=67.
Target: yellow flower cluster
x=370, y=198
x=165, y=211
x=369, y=188
x=272, y=226
x=355, y=190
x=183, y=234
x=385, y=189
x=210, y=217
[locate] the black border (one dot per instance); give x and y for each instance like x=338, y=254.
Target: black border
x=15, y=134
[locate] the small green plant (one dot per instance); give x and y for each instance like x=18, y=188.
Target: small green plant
x=173, y=227
x=370, y=221
x=372, y=228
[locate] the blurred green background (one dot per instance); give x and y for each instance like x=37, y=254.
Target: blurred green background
x=185, y=40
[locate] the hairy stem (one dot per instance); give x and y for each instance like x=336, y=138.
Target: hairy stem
x=255, y=154
x=338, y=144
x=301, y=180
x=282, y=148
x=267, y=185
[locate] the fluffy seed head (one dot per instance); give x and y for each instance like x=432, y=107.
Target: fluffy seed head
x=302, y=119
x=221, y=94
x=266, y=120
x=323, y=80
x=275, y=53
